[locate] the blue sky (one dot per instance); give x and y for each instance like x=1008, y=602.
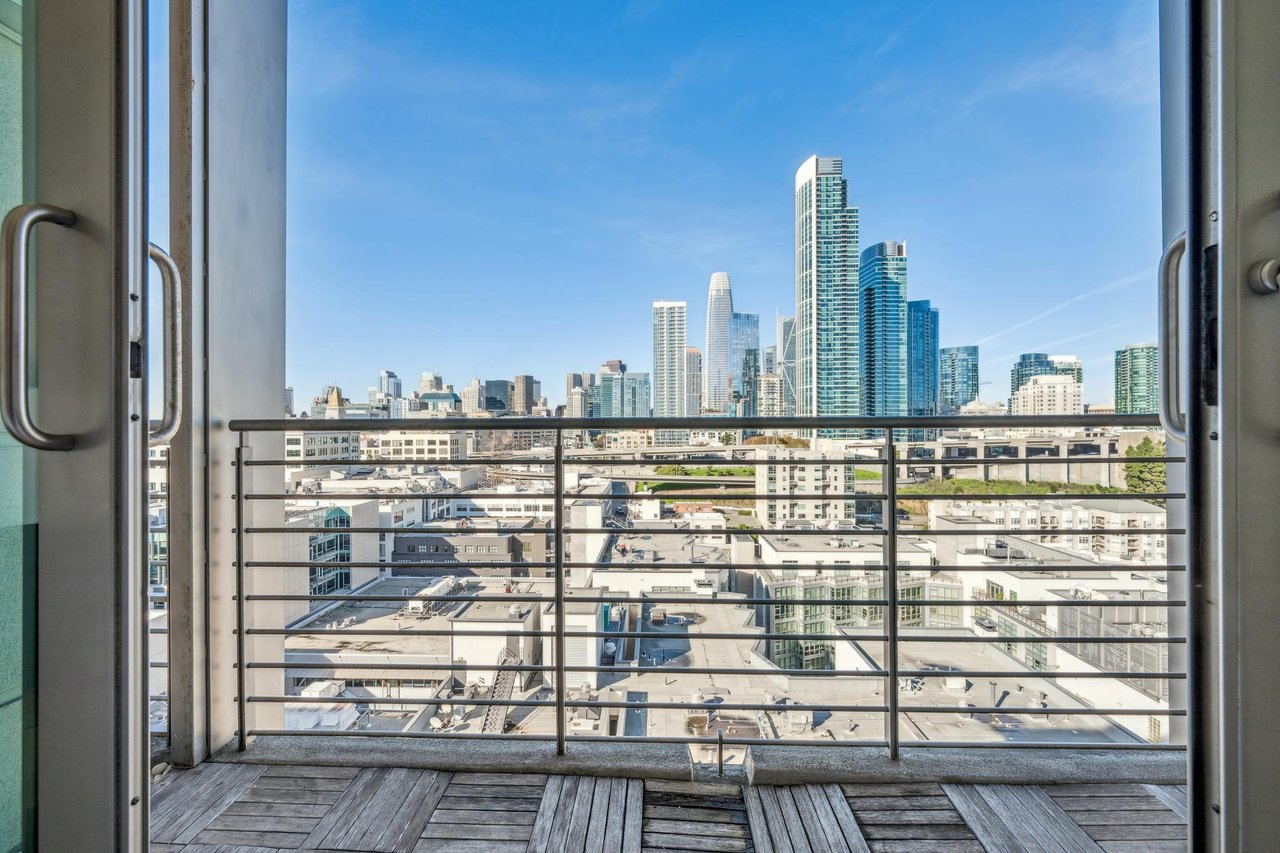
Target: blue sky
x=486, y=189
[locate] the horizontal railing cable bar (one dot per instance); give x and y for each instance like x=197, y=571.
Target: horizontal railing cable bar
x=1139, y=746
x=1037, y=498
x=816, y=422
x=665, y=566
x=878, y=675
x=1057, y=712
x=1037, y=674
x=768, y=602
x=578, y=703
x=677, y=495
x=571, y=461
x=718, y=635
x=1056, y=531
x=509, y=736
x=1016, y=565
x=1090, y=459
x=380, y=564
x=621, y=600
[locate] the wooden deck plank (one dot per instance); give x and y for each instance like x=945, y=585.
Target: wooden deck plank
x=794, y=821
x=346, y=808
x=488, y=832
x=633, y=823
x=260, y=823
x=432, y=845
x=900, y=817
x=222, y=794
x=311, y=772
x=710, y=830
x=1044, y=816
x=465, y=816
x=303, y=783
x=524, y=804
x=914, y=803
x=371, y=818
x=1145, y=802
x=540, y=838
x=756, y=820
x=270, y=840
x=1112, y=818
x=615, y=817
x=240, y=807
x=902, y=789
x=575, y=839
x=975, y=811
x=816, y=827
x=917, y=832
x=776, y=822
x=1161, y=832
x=419, y=805
x=1096, y=789
x=695, y=813
x=917, y=846
x=1172, y=797
x=843, y=815
x=1144, y=846
x=661, y=841
x=695, y=789
x=500, y=779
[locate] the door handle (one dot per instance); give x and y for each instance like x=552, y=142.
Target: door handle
x=1171, y=416
x=171, y=285
x=15, y=390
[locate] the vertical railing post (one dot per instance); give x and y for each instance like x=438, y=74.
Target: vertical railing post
x=558, y=522
x=890, y=482
x=242, y=731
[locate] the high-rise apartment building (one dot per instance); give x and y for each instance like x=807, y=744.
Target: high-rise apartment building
x=1068, y=365
x=1029, y=364
x=637, y=400
x=577, y=380
x=1048, y=394
x=473, y=397
x=389, y=384
x=882, y=286
x=770, y=402
x=670, y=362
x=693, y=381
x=957, y=378
x=786, y=367
x=1137, y=379
x=826, y=330
x=524, y=394
x=716, y=392
x=922, y=358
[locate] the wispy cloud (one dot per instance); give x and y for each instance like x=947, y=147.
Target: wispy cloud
x=1052, y=345
x=1118, y=284
x=1119, y=67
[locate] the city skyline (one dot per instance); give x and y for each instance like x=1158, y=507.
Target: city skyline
x=672, y=202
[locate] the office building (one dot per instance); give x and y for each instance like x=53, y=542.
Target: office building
x=473, y=397
x=744, y=354
x=786, y=367
x=524, y=394
x=430, y=382
x=882, y=282
x=498, y=394
x=957, y=378
x=1137, y=379
x=1029, y=364
x=769, y=359
x=1068, y=365
x=716, y=391
x=826, y=331
x=389, y=384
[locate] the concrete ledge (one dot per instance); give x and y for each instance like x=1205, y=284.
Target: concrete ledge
x=793, y=765
x=632, y=760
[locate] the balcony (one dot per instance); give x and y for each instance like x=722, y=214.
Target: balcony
x=536, y=632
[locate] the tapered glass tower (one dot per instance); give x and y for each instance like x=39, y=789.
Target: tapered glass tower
x=716, y=392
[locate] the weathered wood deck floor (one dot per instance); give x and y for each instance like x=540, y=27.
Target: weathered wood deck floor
x=238, y=808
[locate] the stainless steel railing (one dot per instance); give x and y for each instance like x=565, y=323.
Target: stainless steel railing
x=260, y=484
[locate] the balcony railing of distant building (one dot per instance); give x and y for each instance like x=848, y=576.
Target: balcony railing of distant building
x=882, y=683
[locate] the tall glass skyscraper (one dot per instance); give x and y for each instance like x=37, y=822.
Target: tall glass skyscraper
x=1029, y=364
x=786, y=368
x=826, y=330
x=1137, y=379
x=957, y=378
x=670, y=340
x=744, y=348
x=922, y=358
x=882, y=285
x=715, y=360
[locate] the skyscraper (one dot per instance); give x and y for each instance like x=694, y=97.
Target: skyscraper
x=715, y=361
x=670, y=342
x=882, y=285
x=430, y=382
x=577, y=380
x=1029, y=364
x=1137, y=379
x=922, y=358
x=744, y=349
x=389, y=384
x=769, y=359
x=786, y=368
x=497, y=395
x=693, y=381
x=523, y=396
x=636, y=395
x=826, y=331
x=1068, y=365
x=957, y=378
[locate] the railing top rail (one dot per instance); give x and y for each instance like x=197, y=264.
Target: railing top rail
x=709, y=423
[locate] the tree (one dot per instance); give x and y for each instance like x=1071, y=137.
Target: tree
x=670, y=470
x=1146, y=477
x=727, y=438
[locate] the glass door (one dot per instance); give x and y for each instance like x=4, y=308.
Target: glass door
x=73, y=256
x=17, y=485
